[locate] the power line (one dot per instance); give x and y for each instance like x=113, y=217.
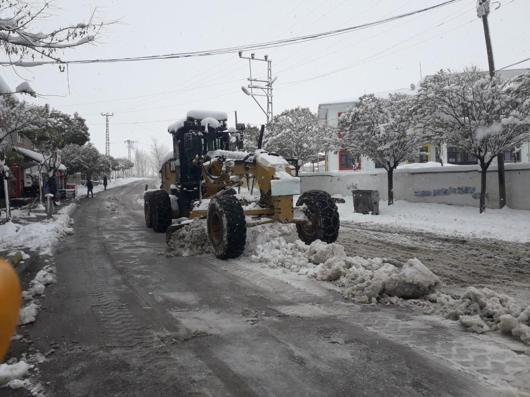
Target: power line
x=243, y=47
x=514, y=64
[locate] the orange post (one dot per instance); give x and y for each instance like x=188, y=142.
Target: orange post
x=10, y=300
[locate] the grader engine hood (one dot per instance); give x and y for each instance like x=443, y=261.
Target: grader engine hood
x=282, y=183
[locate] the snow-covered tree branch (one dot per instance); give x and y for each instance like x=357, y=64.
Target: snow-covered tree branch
x=381, y=129
x=480, y=115
x=19, y=38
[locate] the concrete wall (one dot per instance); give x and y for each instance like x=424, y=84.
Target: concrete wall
x=457, y=185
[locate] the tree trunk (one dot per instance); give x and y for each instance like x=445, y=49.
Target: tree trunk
x=483, y=174
x=390, y=175
x=502, y=180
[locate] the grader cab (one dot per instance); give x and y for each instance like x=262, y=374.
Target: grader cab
x=201, y=178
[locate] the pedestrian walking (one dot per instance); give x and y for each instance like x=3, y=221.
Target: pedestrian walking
x=89, y=188
x=52, y=188
x=105, y=182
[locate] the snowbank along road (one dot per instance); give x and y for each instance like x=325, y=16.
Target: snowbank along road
x=125, y=319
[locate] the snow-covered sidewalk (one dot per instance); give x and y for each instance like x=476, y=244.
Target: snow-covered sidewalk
x=36, y=236
x=505, y=224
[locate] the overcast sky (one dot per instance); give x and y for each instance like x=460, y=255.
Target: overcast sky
x=146, y=96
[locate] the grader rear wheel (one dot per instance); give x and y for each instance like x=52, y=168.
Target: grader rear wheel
x=227, y=229
x=160, y=207
x=323, y=217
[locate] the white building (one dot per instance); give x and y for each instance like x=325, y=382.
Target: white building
x=329, y=113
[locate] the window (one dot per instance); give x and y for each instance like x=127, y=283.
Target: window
x=345, y=160
x=457, y=156
x=424, y=154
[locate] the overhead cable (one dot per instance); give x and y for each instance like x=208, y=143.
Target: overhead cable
x=243, y=47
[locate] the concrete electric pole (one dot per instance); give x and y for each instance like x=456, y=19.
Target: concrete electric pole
x=483, y=10
x=130, y=146
x=260, y=87
x=107, y=132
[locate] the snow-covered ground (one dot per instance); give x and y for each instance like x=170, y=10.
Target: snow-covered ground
x=370, y=280
x=33, y=231
x=36, y=236
x=505, y=224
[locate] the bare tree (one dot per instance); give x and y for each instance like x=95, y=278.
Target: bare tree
x=159, y=152
x=142, y=163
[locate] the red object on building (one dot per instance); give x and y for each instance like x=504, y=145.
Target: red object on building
x=16, y=188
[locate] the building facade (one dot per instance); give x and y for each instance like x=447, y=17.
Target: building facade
x=329, y=114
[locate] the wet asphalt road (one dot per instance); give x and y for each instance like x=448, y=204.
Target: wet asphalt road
x=125, y=320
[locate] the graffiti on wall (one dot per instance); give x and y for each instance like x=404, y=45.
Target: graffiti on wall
x=448, y=191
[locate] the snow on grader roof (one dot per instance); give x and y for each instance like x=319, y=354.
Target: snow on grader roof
x=202, y=114
x=207, y=117
x=174, y=127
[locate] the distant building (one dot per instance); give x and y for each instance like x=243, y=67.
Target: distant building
x=329, y=113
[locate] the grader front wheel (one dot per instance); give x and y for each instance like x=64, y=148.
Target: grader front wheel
x=227, y=229
x=323, y=217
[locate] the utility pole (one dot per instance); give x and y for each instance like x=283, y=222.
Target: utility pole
x=107, y=132
x=483, y=10
x=260, y=87
x=130, y=146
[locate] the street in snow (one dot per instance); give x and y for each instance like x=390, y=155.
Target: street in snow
x=349, y=217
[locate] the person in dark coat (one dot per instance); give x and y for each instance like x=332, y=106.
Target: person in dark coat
x=89, y=188
x=105, y=182
x=52, y=188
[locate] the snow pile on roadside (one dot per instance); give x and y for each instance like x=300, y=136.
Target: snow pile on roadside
x=12, y=372
x=450, y=220
x=45, y=277
x=482, y=309
x=40, y=236
x=190, y=240
x=361, y=279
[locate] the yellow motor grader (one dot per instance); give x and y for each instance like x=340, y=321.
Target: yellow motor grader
x=200, y=178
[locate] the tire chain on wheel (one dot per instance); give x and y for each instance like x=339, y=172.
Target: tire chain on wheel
x=236, y=235
x=160, y=210
x=330, y=223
